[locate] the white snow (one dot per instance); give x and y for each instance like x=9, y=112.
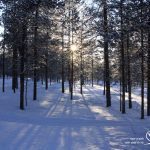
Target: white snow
x=54, y=122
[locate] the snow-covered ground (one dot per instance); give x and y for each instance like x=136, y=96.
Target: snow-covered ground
x=54, y=122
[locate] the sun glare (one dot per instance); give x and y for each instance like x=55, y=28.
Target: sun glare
x=73, y=47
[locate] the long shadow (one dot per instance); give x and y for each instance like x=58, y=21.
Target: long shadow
x=94, y=96
x=53, y=106
x=52, y=97
x=67, y=108
x=87, y=106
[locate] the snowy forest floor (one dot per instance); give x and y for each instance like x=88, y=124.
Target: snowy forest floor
x=54, y=122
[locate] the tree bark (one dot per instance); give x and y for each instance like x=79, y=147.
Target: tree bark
x=81, y=61
x=129, y=73
x=3, y=84
x=14, y=70
x=122, y=59
x=35, y=54
x=46, y=64
x=22, y=74
x=106, y=56
x=148, y=66
x=46, y=73
x=142, y=66
x=92, y=71
x=62, y=61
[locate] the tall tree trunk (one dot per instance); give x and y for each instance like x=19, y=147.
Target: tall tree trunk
x=142, y=66
x=46, y=64
x=120, y=95
x=72, y=53
x=106, y=56
x=22, y=74
x=3, y=84
x=92, y=71
x=122, y=59
x=142, y=78
x=14, y=70
x=72, y=68
x=42, y=78
x=129, y=72
x=148, y=66
x=81, y=61
x=35, y=54
x=46, y=72
x=62, y=61
x=104, y=83
x=50, y=79
x=69, y=46
x=26, y=92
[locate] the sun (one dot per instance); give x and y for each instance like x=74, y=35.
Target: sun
x=73, y=47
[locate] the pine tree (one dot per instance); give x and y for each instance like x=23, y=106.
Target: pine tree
x=106, y=55
x=122, y=58
x=148, y=66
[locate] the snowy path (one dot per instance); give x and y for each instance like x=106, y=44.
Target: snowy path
x=54, y=122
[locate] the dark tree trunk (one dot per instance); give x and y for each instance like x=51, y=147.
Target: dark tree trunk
x=14, y=70
x=22, y=80
x=81, y=62
x=72, y=77
x=15, y=57
x=129, y=73
x=122, y=59
x=3, y=63
x=120, y=95
x=63, y=79
x=148, y=75
x=46, y=64
x=46, y=73
x=142, y=66
x=106, y=56
x=22, y=54
x=26, y=92
x=142, y=78
x=50, y=79
x=42, y=79
x=69, y=75
x=92, y=71
x=104, y=90
x=72, y=53
x=3, y=84
x=81, y=75
x=69, y=46
x=104, y=83
x=62, y=61
x=35, y=54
